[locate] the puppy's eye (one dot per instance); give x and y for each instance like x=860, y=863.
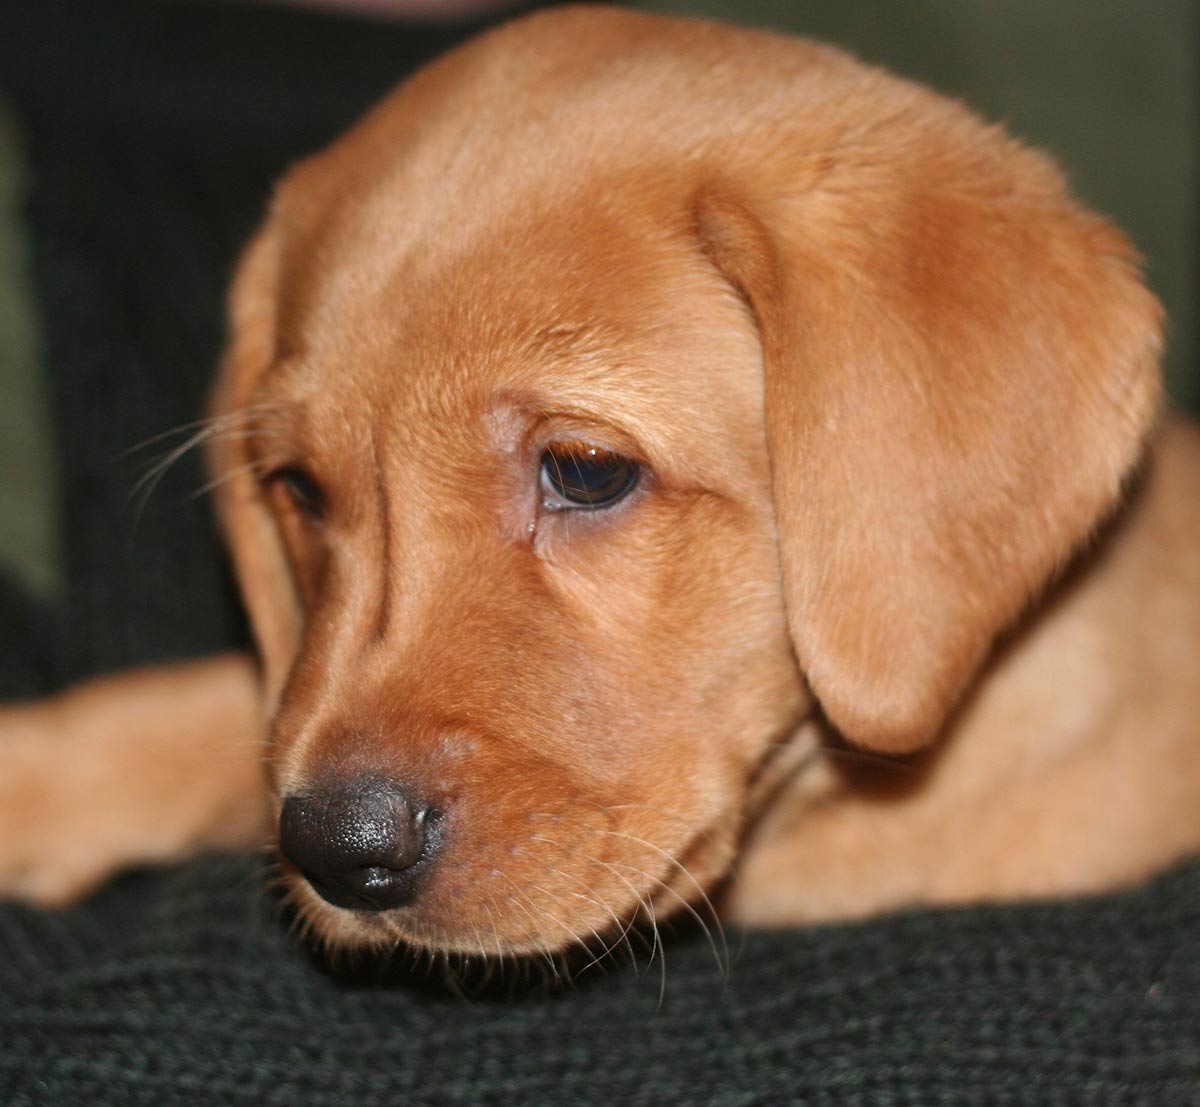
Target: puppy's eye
x=579, y=476
x=302, y=490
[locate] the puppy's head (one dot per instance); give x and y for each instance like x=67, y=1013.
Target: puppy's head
x=615, y=393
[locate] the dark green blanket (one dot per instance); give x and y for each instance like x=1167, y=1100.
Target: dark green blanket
x=154, y=128
x=184, y=989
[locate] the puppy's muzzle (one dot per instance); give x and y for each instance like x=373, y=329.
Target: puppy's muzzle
x=362, y=844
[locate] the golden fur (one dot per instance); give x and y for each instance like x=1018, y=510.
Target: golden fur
x=892, y=392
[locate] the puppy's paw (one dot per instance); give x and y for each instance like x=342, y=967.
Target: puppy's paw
x=51, y=850
x=146, y=767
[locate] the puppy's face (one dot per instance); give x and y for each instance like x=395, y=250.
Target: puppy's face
x=524, y=499
x=608, y=368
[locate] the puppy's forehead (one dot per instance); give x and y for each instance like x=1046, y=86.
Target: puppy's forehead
x=522, y=190
x=600, y=306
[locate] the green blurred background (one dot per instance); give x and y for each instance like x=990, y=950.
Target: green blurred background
x=1110, y=87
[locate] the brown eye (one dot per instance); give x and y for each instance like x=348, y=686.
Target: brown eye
x=585, y=477
x=302, y=490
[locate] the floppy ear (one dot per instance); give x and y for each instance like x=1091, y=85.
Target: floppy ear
x=961, y=366
x=260, y=562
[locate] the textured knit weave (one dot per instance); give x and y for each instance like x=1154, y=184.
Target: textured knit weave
x=155, y=128
x=182, y=988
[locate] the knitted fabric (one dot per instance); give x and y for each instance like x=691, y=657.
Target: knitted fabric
x=154, y=129
x=185, y=988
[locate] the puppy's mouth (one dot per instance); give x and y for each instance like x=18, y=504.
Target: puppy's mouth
x=372, y=865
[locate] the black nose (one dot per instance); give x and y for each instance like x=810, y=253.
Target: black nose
x=361, y=844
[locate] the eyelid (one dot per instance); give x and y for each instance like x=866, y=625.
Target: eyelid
x=303, y=490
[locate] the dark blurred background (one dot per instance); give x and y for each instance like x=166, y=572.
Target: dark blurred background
x=1110, y=87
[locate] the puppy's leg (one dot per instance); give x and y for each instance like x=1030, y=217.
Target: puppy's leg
x=141, y=767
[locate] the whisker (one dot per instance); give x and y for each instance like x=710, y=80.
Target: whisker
x=144, y=487
x=643, y=905
x=256, y=467
x=529, y=907
x=722, y=964
x=721, y=955
x=492, y=920
x=647, y=905
x=575, y=938
x=161, y=436
x=621, y=929
x=236, y=424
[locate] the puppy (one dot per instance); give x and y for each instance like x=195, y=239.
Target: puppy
x=634, y=434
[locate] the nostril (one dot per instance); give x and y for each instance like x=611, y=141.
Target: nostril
x=361, y=844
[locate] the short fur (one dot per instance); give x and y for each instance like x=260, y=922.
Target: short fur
x=894, y=394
